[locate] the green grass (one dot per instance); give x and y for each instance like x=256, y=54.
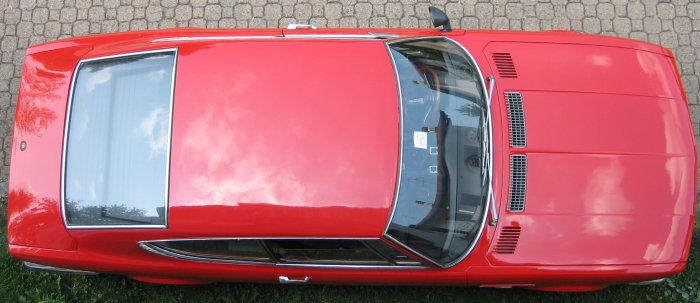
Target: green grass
x=18, y=284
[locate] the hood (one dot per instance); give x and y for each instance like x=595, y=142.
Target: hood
x=284, y=139
x=610, y=175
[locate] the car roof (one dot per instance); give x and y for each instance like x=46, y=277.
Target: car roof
x=289, y=138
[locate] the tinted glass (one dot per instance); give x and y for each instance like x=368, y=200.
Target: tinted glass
x=324, y=252
x=390, y=253
x=118, y=141
x=440, y=204
x=287, y=251
x=244, y=250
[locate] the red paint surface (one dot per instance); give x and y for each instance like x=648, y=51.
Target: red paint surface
x=307, y=145
x=34, y=214
x=299, y=138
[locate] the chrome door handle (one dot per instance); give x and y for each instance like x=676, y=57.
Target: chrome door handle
x=287, y=280
x=297, y=26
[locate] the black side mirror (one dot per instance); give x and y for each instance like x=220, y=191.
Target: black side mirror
x=440, y=19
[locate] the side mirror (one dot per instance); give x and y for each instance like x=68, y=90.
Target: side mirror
x=439, y=18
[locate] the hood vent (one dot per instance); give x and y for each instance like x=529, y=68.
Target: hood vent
x=518, y=183
x=516, y=119
x=505, y=65
x=508, y=240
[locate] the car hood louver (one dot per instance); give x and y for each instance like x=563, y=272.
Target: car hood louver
x=518, y=183
x=516, y=120
x=508, y=240
x=505, y=65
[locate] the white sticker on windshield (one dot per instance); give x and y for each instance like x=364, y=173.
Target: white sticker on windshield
x=420, y=140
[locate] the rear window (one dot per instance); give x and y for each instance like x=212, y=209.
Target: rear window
x=118, y=141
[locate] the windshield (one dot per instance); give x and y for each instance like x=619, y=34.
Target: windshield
x=442, y=194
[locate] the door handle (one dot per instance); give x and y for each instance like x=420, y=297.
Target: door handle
x=287, y=280
x=298, y=26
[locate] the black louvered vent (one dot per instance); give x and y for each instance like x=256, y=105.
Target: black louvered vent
x=505, y=65
x=516, y=119
x=518, y=183
x=508, y=240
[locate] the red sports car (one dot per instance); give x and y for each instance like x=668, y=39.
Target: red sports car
x=547, y=160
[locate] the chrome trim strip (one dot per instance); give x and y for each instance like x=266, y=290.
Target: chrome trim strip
x=148, y=246
x=398, y=181
x=384, y=35
x=287, y=280
x=650, y=282
x=494, y=211
x=213, y=38
x=256, y=238
x=135, y=226
x=402, y=267
x=69, y=106
x=333, y=36
x=368, y=36
x=41, y=267
x=170, y=139
x=301, y=25
x=65, y=142
x=173, y=254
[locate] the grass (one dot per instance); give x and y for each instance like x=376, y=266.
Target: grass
x=18, y=284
